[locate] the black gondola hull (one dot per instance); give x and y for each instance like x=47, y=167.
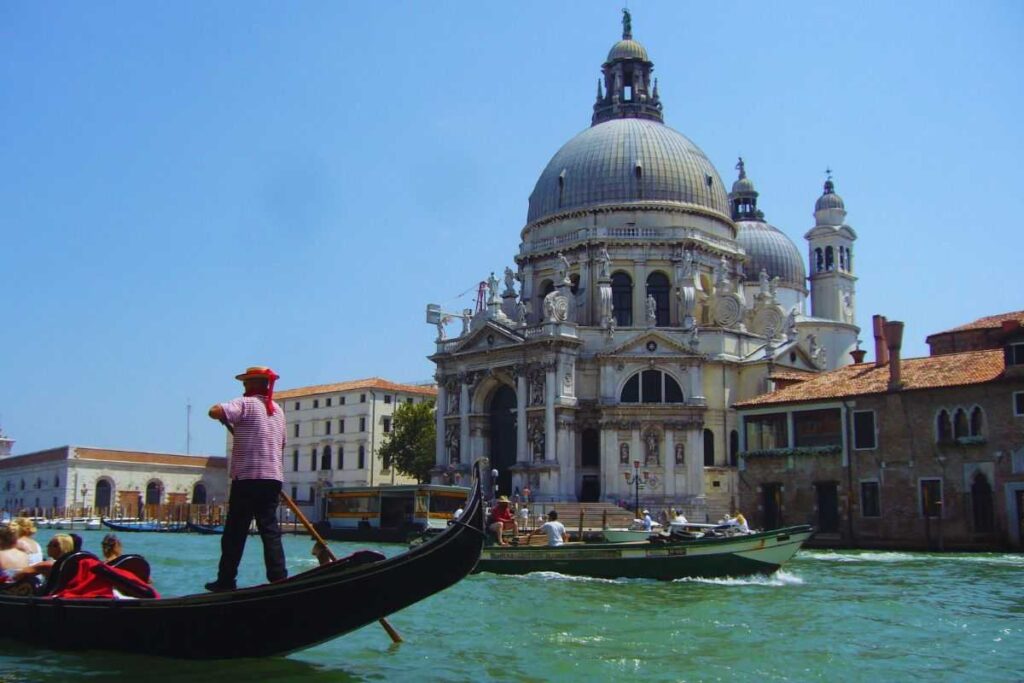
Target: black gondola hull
x=272, y=619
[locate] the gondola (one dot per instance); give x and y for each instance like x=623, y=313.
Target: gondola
x=155, y=527
x=266, y=620
x=207, y=529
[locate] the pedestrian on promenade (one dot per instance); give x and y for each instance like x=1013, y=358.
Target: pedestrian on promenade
x=256, y=474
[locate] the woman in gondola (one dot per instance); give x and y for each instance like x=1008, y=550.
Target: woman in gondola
x=26, y=528
x=12, y=560
x=59, y=545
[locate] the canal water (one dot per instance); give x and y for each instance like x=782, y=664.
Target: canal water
x=829, y=615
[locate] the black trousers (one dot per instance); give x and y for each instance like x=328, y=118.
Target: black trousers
x=252, y=499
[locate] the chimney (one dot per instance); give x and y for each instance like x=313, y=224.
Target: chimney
x=858, y=356
x=894, y=341
x=881, y=354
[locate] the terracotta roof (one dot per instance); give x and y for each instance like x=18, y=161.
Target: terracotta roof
x=988, y=322
x=793, y=374
x=111, y=455
x=369, y=383
x=932, y=372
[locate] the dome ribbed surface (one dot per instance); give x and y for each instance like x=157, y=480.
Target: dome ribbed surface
x=598, y=167
x=627, y=49
x=829, y=201
x=767, y=247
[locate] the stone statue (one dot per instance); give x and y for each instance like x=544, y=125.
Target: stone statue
x=652, y=311
x=773, y=287
x=847, y=306
x=535, y=435
x=521, y=312
x=441, y=322
x=651, y=456
x=627, y=24
x=563, y=269
x=603, y=260
x=790, y=325
x=694, y=341
x=537, y=389
x=817, y=353
x=510, y=287
x=492, y=285
x=623, y=453
x=764, y=282
x=680, y=454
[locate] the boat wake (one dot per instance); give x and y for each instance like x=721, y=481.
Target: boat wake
x=779, y=578
x=1011, y=560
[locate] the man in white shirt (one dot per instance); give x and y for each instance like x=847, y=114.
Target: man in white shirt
x=648, y=522
x=554, y=529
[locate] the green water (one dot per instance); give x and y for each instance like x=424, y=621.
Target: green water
x=851, y=616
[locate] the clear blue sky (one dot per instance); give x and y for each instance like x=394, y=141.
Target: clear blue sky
x=189, y=188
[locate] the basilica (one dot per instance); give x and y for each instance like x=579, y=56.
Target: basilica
x=647, y=298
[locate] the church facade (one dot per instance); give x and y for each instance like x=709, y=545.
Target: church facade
x=646, y=298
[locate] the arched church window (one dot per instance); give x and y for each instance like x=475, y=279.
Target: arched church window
x=709, y=448
x=830, y=259
x=819, y=260
x=977, y=421
x=651, y=386
x=199, y=494
x=960, y=426
x=325, y=458
x=943, y=427
x=622, y=299
x=658, y=287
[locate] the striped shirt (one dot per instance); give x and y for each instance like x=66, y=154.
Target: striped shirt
x=258, y=447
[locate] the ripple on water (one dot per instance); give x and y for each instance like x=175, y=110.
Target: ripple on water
x=779, y=578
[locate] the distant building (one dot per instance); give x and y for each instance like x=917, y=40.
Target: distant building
x=334, y=432
x=918, y=452
x=103, y=481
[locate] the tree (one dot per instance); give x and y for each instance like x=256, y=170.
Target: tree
x=409, y=447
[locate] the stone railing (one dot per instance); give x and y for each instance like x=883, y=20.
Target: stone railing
x=631, y=232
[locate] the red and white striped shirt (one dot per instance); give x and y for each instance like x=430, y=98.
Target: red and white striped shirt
x=258, y=447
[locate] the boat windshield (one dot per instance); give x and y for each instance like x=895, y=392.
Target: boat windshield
x=353, y=502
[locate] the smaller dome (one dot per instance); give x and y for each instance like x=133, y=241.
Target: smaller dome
x=768, y=247
x=829, y=199
x=743, y=185
x=627, y=49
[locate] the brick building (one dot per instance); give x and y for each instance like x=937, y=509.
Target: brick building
x=916, y=453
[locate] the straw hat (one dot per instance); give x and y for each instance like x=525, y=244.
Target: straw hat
x=503, y=499
x=258, y=372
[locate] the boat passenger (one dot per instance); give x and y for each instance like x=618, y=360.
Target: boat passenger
x=501, y=518
x=76, y=542
x=524, y=515
x=648, y=522
x=111, y=546
x=59, y=545
x=554, y=529
x=12, y=560
x=26, y=528
x=741, y=522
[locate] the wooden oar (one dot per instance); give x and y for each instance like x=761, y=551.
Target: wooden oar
x=395, y=638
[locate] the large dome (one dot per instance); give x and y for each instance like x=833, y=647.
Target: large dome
x=624, y=161
x=768, y=248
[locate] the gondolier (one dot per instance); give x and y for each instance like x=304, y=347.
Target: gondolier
x=256, y=475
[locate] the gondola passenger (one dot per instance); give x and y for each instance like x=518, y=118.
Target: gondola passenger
x=501, y=518
x=112, y=548
x=26, y=528
x=59, y=545
x=12, y=560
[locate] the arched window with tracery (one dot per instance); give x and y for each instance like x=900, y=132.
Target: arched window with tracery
x=658, y=286
x=943, y=427
x=960, y=425
x=622, y=299
x=977, y=421
x=651, y=386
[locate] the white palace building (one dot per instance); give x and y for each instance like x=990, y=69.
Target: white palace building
x=645, y=300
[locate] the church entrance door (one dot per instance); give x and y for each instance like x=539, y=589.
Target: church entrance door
x=502, y=411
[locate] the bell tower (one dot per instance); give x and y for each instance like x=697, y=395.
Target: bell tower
x=830, y=245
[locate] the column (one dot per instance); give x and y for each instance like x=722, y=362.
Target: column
x=464, y=447
x=522, y=445
x=549, y=412
x=640, y=293
x=669, y=462
x=440, y=408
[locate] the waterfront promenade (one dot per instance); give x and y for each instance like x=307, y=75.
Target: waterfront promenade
x=828, y=616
